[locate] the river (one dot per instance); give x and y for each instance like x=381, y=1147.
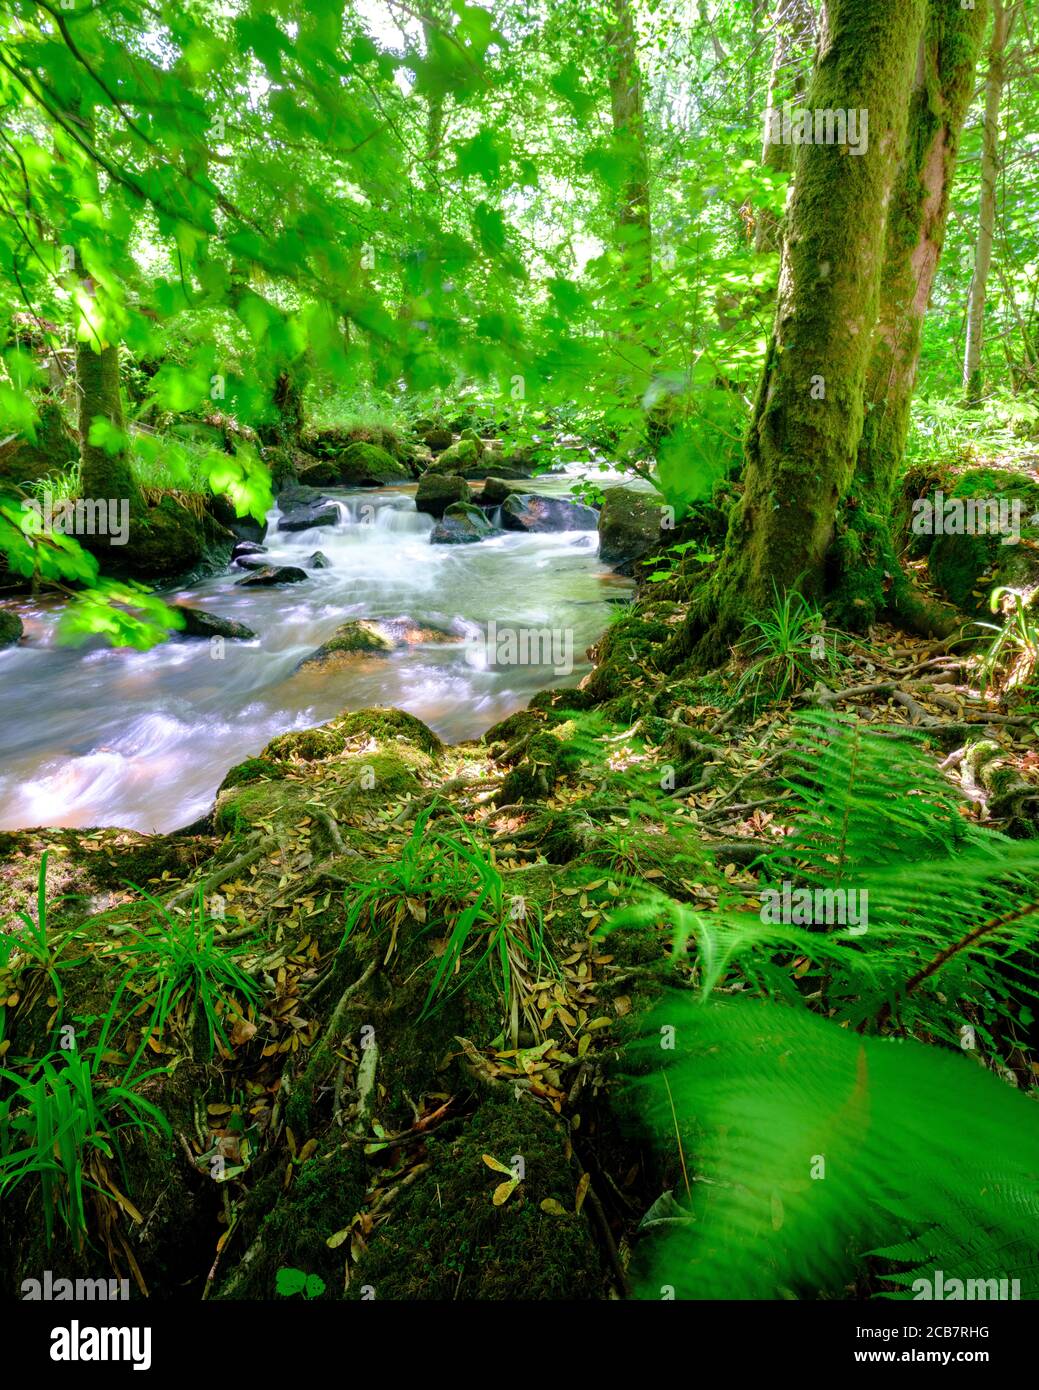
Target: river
x=96, y=736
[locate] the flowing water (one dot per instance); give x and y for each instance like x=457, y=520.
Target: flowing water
x=99, y=736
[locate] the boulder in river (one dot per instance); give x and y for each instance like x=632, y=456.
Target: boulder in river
x=437, y=438
x=463, y=459
x=319, y=561
x=270, y=575
x=199, y=623
x=462, y=524
x=367, y=637
x=168, y=540
x=436, y=492
x=247, y=548
x=528, y=512
x=251, y=562
x=306, y=515
x=368, y=465
x=629, y=525
x=10, y=628
x=495, y=491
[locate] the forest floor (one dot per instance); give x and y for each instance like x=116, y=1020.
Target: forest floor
x=415, y=1091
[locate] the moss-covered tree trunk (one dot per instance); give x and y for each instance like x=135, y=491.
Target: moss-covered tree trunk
x=105, y=472
x=793, y=29
x=633, y=206
x=942, y=91
x=288, y=402
x=1002, y=21
x=802, y=443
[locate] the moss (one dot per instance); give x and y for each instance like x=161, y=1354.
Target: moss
x=967, y=567
x=252, y=770
x=290, y=1229
x=456, y=458
x=329, y=739
x=389, y=723
x=447, y=1240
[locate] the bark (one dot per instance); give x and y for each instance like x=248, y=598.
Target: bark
x=793, y=25
x=103, y=475
x=1002, y=22
x=288, y=402
x=633, y=211
x=802, y=443
x=942, y=90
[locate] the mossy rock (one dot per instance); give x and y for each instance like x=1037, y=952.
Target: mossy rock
x=463, y=458
x=359, y=637
x=169, y=541
x=252, y=770
x=290, y=1229
x=437, y=491
x=967, y=567
x=10, y=628
x=54, y=449
x=368, y=465
x=386, y=726
x=636, y=639
x=462, y=524
x=447, y=1240
x=546, y=757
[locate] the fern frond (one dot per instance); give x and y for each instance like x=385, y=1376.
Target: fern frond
x=813, y=1148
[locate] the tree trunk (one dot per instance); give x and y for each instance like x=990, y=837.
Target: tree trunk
x=633, y=211
x=942, y=91
x=288, y=402
x=802, y=443
x=104, y=475
x=793, y=24
x=1002, y=21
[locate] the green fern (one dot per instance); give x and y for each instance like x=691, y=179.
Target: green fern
x=953, y=908
x=820, y=1159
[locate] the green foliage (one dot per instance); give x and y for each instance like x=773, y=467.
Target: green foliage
x=183, y=966
x=952, y=910
x=814, y=1149
x=290, y=1282
x=125, y=614
x=1009, y=661
x=445, y=883
x=32, y=944
x=56, y=1123
x=788, y=647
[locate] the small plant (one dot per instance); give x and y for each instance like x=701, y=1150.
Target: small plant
x=496, y=927
x=1009, y=661
x=788, y=647
x=670, y=560
x=185, y=966
x=447, y=881
x=32, y=941
x=289, y=1282
x=55, y=1126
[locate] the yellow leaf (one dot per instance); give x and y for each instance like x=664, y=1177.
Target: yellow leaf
x=601, y=1022
x=582, y=1191
x=504, y=1191
x=334, y=1242
x=553, y=1208
x=493, y=1163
